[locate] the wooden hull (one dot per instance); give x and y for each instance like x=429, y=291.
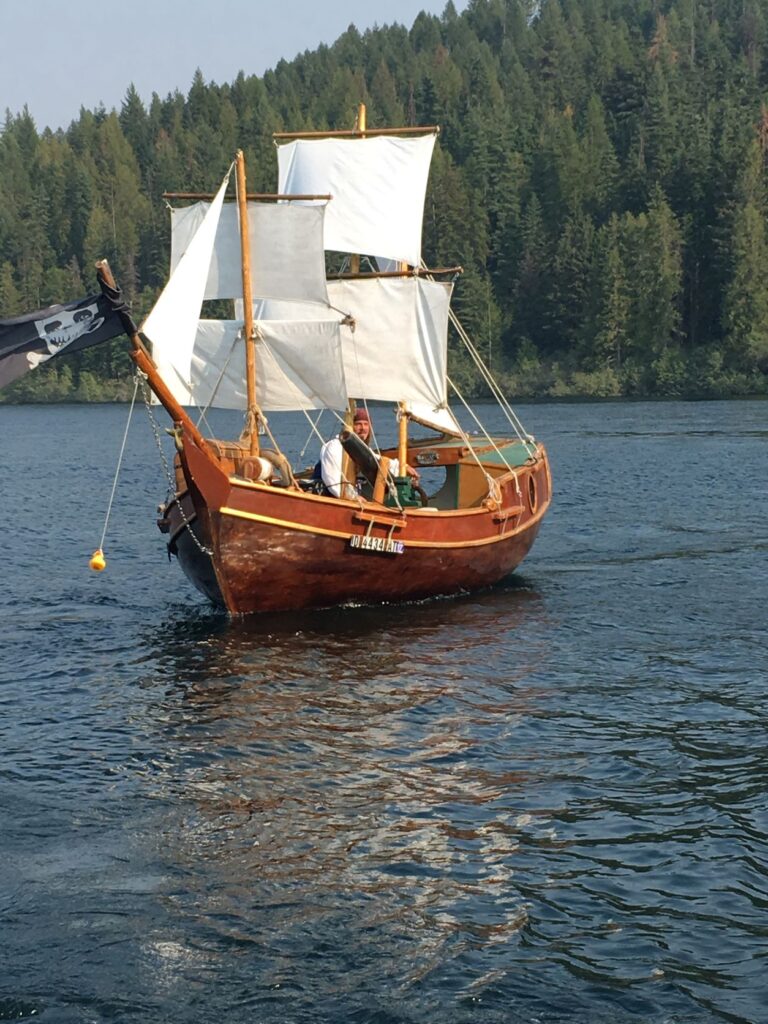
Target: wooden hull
x=261, y=548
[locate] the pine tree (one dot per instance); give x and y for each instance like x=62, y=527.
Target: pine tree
x=568, y=300
x=599, y=162
x=11, y=302
x=745, y=318
x=655, y=277
x=532, y=277
x=135, y=125
x=605, y=337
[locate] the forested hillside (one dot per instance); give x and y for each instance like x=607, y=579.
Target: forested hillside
x=600, y=176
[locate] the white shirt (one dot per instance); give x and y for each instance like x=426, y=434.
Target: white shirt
x=331, y=462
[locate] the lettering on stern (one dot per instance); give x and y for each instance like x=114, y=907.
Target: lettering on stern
x=383, y=545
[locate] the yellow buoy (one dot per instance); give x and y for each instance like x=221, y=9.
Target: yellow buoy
x=98, y=561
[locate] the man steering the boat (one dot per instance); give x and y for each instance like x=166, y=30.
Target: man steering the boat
x=332, y=461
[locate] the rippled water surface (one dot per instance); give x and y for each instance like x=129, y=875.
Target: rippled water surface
x=545, y=802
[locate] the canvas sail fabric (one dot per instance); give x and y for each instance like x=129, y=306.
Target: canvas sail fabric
x=298, y=362
x=286, y=250
x=436, y=418
x=378, y=186
x=172, y=323
x=398, y=350
x=298, y=366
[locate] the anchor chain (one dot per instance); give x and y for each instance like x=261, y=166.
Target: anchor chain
x=147, y=394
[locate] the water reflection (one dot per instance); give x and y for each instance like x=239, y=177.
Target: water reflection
x=200, y=646
x=332, y=787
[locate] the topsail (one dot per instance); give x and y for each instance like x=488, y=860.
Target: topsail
x=378, y=187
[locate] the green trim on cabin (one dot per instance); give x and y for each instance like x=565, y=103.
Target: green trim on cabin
x=514, y=453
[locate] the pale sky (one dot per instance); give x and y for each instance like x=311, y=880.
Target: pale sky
x=61, y=55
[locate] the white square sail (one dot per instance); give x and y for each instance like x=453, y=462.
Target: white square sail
x=398, y=350
x=298, y=365
x=286, y=250
x=377, y=185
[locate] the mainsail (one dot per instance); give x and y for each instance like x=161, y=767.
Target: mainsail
x=298, y=365
x=395, y=349
x=394, y=345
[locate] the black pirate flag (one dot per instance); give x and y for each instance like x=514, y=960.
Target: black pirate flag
x=34, y=338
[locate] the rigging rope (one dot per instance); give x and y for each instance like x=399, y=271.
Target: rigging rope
x=492, y=484
x=314, y=429
x=204, y=411
x=172, y=493
x=97, y=558
x=509, y=413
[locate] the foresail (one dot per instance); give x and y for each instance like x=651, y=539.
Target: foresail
x=398, y=350
x=172, y=324
x=286, y=246
x=378, y=186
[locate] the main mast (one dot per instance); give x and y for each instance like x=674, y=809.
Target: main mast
x=354, y=266
x=409, y=265
x=253, y=413
x=354, y=263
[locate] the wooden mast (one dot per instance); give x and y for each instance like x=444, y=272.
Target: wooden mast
x=402, y=446
x=251, y=432
x=354, y=266
x=402, y=423
x=354, y=263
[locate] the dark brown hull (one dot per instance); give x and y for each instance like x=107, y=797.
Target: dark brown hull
x=260, y=548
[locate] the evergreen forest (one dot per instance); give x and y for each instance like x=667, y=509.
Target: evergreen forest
x=600, y=176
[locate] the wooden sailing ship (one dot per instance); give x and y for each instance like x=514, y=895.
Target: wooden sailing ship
x=251, y=531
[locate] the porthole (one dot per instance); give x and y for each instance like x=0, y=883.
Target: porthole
x=532, y=493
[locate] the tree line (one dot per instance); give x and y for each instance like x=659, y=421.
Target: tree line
x=600, y=177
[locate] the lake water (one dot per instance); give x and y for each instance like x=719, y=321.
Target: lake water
x=542, y=803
